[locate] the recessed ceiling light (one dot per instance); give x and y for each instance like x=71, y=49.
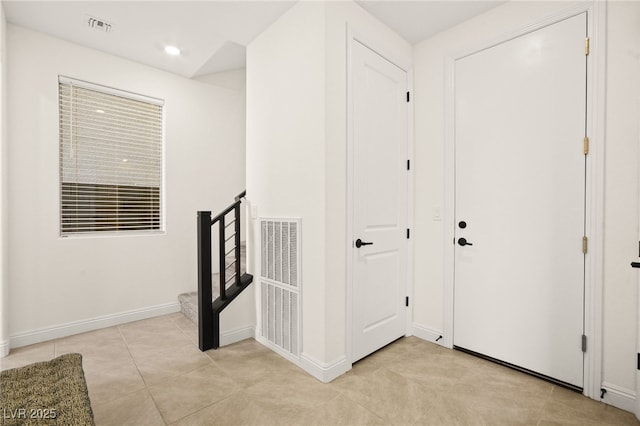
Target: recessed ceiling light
x=99, y=111
x=172, y=50
x=124, y=160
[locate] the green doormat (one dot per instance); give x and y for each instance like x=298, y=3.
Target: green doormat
x=46, y=393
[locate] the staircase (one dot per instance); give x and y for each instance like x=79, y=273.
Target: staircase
x=189, y=301
x=216, y=290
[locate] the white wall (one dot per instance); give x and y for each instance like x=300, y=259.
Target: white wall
x=63, y=281
x=621, y=177
x=236, y=81
x=4, y=252
x=296, y=154
x=234, y=319
x=285, y=147
x=232, y=79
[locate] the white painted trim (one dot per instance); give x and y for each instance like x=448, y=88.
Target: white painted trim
x=410, y=202
x=353, y=35
x=594, y=266
x=596, y=15
x=63, y=330
x=257, y=282
x=237, y=335
x=349, y=267
x=449, y=203
x=325, y=372
x=428, y=334
x=110, y=90
x=537, y=24
x=619, y=397
x=4, y=349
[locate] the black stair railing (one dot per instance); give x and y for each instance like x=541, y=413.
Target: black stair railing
x=230, y=284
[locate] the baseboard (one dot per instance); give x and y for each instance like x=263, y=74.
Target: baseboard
x=4, y=349
x=428, y=334
x=324, y=372
x=236, y=335
x=63, y=330
x=619, y=397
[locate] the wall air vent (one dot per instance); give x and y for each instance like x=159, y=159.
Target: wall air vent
x=98, y=24
x=280, y=284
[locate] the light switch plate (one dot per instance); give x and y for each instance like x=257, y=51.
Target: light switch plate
x=437, y=213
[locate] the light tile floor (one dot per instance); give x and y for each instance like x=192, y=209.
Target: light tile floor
x=151, y=373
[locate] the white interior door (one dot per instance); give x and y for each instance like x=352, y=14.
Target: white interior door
x=636, y=265
x=520, y=186
x=380, y=118
x=637, y=403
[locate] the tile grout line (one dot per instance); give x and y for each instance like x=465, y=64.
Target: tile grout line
x=201, y=409
x=212, y=363
x=555, y=405
x=544, y=406
x=176, y=349
x=146, y=387
x=150, y=385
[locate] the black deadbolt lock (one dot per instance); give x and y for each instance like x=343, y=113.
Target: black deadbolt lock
x=462, y=224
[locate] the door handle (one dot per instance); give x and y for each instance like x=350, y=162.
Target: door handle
x=360, y=243
x=463, y=242
x=635, y=264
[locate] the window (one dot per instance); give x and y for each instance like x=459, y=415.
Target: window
x=110, y=160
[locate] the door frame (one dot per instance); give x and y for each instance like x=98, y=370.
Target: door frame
x=594, y=200
x=373, y=43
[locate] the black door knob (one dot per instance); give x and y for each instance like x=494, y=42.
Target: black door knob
x=360, y=243
x=463, y=242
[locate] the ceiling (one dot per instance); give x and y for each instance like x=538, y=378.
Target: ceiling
x=418, y=20
x=212, y=34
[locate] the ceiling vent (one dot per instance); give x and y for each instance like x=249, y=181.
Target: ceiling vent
x=98, y=24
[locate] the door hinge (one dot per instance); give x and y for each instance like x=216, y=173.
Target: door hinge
x=585, y=245
x=586, y=145
x=584, y=343
x=408, y=97
x=408, y=164
x=639, y=361
x=406, y=301
x=408, y=233
x=586, y=46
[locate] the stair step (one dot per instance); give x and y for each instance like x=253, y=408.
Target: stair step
x=189, y=305
x=189, y=301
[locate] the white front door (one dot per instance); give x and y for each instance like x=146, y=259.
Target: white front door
x=379, y=170
x=519, y=201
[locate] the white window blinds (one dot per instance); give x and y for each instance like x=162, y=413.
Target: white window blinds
x=110, y=160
